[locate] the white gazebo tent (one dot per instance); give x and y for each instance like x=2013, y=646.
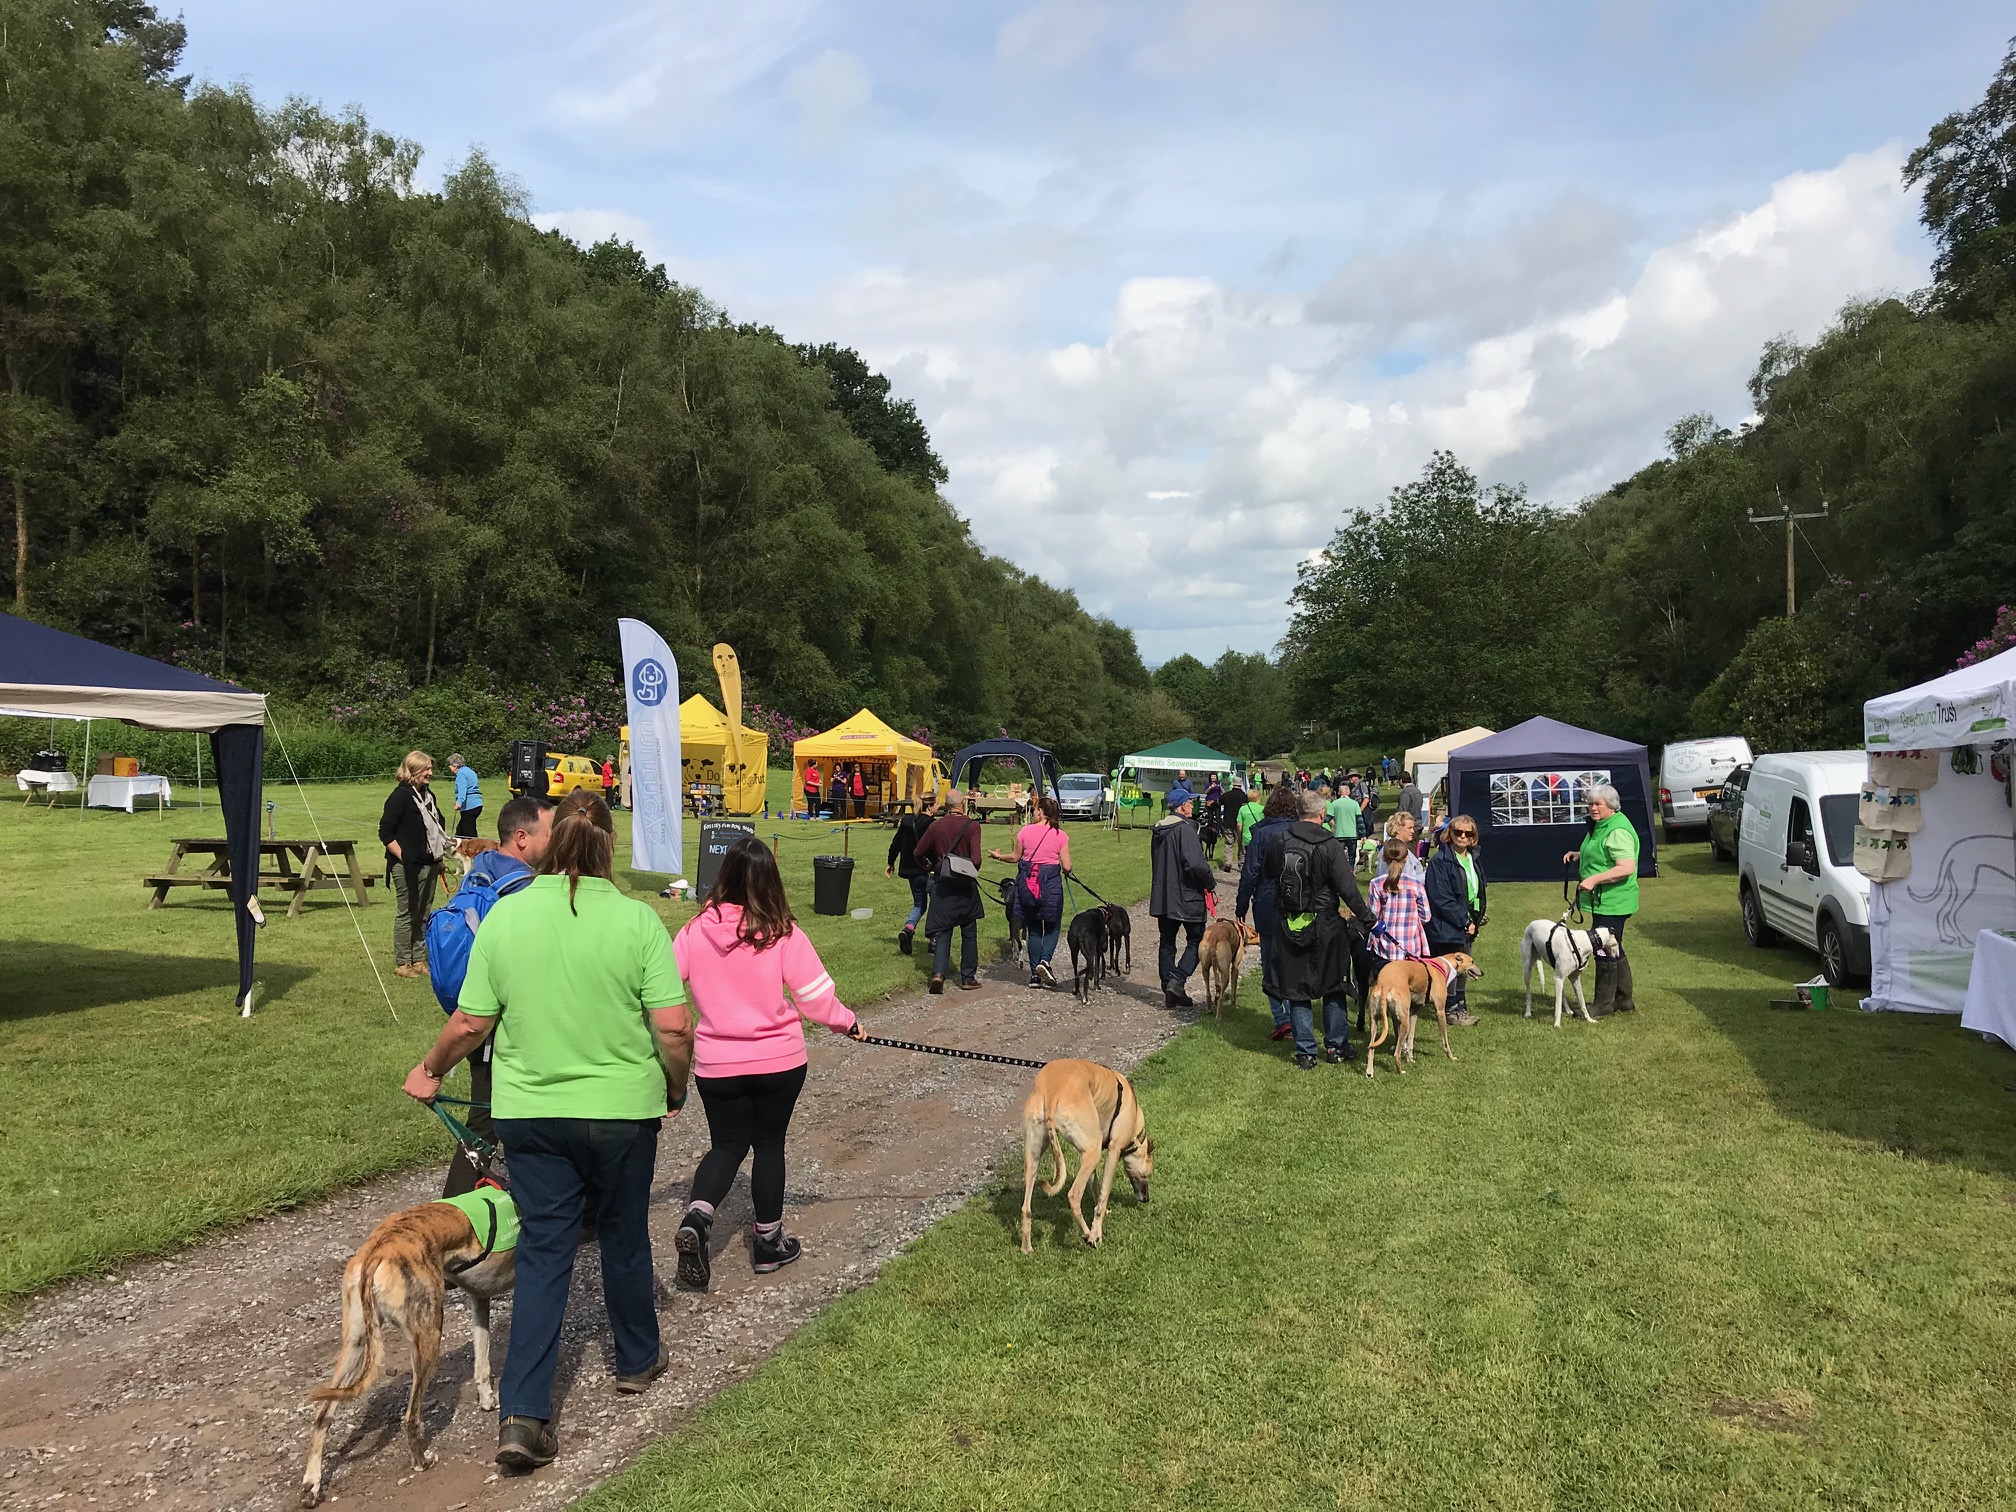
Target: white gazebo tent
x=1430, y=763
x=1923, y=927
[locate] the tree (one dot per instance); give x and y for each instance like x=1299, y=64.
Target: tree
x=1967, y=169
x=889, y=426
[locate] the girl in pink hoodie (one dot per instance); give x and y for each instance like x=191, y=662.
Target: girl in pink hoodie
x=739, y=958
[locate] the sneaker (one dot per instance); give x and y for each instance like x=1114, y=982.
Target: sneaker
x=1336, y=1054
x=1034, y=984
x=937, y=985
x=1462, y=1016
x=1048, y=977
x=970, y=984
x=695, y=1268
x=1282, y=1031
x=774, y=1253
x=1304, y=1062
x=632, y=1384
x=525, y=1443
x=905, y=940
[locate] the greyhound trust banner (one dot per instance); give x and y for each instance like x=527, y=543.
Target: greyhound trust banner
x=651, y=687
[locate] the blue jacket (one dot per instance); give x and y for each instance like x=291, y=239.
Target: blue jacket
x=467, y=794
x=1449, y=897
x=1255, y=891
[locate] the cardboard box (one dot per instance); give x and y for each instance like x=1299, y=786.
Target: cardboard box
x=104, y=766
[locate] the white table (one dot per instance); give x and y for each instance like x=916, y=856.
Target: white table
x=1990, y=1006
x=119, y=792
x=31, y=781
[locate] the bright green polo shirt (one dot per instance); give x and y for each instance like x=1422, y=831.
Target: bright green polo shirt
x=1247, y=817
x=1343, y=815
x=573, y=987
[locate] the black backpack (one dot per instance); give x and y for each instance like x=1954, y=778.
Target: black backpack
x=1295, y=888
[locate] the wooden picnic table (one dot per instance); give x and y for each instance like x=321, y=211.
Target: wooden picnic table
x=316, y=870
x=984, y=804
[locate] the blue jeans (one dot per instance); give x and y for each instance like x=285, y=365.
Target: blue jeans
x=969, y=951
x=557, y=1165
x=920, y=895
x=1276, y=1006
x=1043, y=946
x=1336, y=1024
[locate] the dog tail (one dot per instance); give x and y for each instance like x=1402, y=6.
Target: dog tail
x=357, y=1360
x=1056, y=1182
x=1382, y=1018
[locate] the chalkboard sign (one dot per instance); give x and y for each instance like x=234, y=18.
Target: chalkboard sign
x=716, y=835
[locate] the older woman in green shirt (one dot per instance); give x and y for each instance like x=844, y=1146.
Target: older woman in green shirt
x=594, y=1046
x=1607, y=864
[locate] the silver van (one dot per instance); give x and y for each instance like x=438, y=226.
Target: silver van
x=1690, y=779
x=1795, y=859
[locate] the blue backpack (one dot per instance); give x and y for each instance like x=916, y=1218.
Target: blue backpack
x=451, y=929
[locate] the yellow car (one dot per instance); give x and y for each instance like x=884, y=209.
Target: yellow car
x=568, y=774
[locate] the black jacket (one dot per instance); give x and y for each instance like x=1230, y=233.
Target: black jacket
x=1318, y=964
x=1178, y=873
x=1449, y=899
x=903, y=846
x=401, y=821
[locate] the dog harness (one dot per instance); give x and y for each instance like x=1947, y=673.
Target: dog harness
x=1574, y=946
x=1440, y=967
x=492, y=1214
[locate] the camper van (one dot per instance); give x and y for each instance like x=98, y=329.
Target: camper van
x=1795, y=859
x=1691, y=773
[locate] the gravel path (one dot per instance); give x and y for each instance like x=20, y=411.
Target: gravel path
x=180, y=1383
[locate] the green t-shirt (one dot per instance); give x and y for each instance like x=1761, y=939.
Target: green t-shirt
x=479, y=1205
x=1249, y=816
x=1610, y=842
x=1343, y=814
x=574, y=1041
x=1464, y=860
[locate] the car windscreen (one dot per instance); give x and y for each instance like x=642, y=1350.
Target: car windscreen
x=1837, y=820
x=1078, y=784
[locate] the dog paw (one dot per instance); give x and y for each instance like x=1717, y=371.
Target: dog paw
x=311, y=1496
x=487, y=1400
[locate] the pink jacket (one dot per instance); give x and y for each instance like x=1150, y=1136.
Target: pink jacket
x=746, y=1028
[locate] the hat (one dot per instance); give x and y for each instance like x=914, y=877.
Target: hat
x=1176, y=797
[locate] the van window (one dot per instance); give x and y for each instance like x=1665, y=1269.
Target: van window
x=1837, y=819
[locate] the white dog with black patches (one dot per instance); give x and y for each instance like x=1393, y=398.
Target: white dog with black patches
x=1549, y=942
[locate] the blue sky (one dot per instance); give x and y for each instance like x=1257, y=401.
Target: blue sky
x=1177, y=285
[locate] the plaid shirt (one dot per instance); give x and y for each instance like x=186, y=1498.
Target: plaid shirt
x=1402, y=929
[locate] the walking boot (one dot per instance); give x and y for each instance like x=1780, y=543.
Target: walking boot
x=696, y=1267
x=1606, y=988
x=1626, y=1003
x=773, y=1252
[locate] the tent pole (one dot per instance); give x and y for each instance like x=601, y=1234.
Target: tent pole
x=84, y=798
x=199, y=771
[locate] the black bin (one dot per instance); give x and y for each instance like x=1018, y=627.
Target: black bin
x=832, y=877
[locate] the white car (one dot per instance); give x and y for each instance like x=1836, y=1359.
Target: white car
x=1083, y=795
x=1795, y=859
x=1691, y=773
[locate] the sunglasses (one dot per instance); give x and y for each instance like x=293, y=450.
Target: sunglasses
x=1464, y=834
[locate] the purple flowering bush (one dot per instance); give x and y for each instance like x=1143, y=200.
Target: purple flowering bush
x=2001, y=637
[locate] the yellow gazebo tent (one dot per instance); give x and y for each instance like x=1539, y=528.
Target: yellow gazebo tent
x=896, y=766
x=1430, y=763
x=703, y=756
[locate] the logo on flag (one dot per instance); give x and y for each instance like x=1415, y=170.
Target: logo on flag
x=648, y=682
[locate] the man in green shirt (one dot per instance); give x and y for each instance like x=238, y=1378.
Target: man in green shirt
x=594, y=1046
x=1341, y=813
x=1608, y=865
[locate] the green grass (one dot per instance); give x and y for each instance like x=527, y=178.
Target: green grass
x=1709, y=1256
x=138, y=1111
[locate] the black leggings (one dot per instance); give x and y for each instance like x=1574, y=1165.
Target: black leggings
x=746, y=1111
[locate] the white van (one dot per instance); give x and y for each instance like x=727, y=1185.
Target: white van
x=1795, y=859
x=1690, y=778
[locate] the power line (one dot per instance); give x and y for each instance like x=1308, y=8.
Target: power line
x=1791, y=557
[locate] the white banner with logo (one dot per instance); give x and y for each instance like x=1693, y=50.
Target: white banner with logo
x=651, y=686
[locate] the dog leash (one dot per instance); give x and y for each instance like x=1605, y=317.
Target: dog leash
x=480, y=1150
x=978, y=1055
x=1572, y=896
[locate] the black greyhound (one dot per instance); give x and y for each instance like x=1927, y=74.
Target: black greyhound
x=1088, y=952
x=1119, y=932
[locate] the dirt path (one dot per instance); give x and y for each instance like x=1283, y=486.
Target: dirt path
x=179, y=1383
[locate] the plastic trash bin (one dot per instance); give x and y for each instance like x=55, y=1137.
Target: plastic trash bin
x=832, y=877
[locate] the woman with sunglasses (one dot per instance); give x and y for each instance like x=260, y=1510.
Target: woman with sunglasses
x=1455, y=884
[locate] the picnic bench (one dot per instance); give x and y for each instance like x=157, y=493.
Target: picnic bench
x=319, y=868
x=983, y=805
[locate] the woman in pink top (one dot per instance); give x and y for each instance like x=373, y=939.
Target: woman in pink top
x=739, y=958
x=1042, y=856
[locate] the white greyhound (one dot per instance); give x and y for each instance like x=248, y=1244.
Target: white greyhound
x=1550, y=942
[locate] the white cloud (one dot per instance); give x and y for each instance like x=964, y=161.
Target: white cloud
x=1217, y=435
x=1051, y=36
x=830, y=92
x=664, y=66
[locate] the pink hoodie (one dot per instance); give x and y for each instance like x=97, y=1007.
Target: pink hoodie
x=746, y=1028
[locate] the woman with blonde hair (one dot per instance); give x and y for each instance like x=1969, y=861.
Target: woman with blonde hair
x=415, y=840
x=594, y=1050
x=1456, y=893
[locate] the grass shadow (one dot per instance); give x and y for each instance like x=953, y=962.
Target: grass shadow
x=46, y=976
x=1909, y=1084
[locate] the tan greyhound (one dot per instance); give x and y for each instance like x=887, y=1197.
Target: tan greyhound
x=1094, y=1107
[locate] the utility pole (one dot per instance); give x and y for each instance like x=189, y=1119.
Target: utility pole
x=1791, y=561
